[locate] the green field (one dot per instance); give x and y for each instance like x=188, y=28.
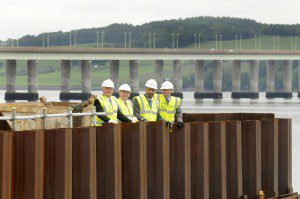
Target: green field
x=52, y=78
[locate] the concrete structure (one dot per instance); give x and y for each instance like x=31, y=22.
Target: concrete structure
x=134, y=56
x=134, y=77
x=177, y=78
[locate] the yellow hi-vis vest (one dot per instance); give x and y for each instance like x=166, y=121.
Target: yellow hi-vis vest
x=126, y=110
x=167, y=111
x=111, y=109
x=147, y=112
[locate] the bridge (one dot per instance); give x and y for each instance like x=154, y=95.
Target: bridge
x=134, y=55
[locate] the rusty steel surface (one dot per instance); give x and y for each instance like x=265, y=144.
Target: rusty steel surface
x=5, y=164
x=158, y=175
x=217, y=160
x=180, y=163
x=251, y=158
x=84, y=163
x=206, y=117
x=269, y=157
x=199, y=160
x=234, y=159
x=58, y=163
x=134, y=160
x=28, y=165
x=285, y=156
x=108, y=151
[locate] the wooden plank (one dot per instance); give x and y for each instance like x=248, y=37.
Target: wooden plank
x=5, y=164
x=269, y=156
x=158, y=173
x=251, y=157
x=285, y=185
x=134, y=160
x=84, y=163
x=58, y=163
x=199, y=160
x=234, y=159
x=217, y=160
x=108, y=150
x=28, y=164
x=180, y=165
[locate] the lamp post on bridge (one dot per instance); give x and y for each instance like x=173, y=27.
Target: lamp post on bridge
x=43, y=40
x=149, y=39
x=70, y=38
x=278, y=43
x=259, y=46
x=292, y=42
x=241, y=36
x=154, y=40
x=195, y=41
x=236, y=42
x=129, y=44
x=48, y=40
x=177, y=40
x=125, y=37
x=274, y=41
x=102, y=38
x=199, y=41
x=97, y=39
x=296, y=41
x=216, y=41
x=173, y=41
x=255, y=46
x=75, y=38
x=220, y=42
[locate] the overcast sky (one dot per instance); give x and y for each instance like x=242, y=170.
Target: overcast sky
x=20, y=17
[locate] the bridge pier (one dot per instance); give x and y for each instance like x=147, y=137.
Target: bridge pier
x=11, y=68
x=270, y=78
x=65, y=80
x=254, y=77
x=114, y=74
x=159, y=71
x=199, y=83
x=288, y=66
x=86, y=78
x=177, y=81
x=287, y=91
x=218, y=64
x=32, y=73
x=134, y=77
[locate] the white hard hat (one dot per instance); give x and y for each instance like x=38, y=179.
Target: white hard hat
x=167, y=85
x=125, y=87
x=108, y=83
x=151, y=83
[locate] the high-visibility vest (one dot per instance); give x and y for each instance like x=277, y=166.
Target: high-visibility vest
x=147, y=112
x=126, y=110
x=111, y=109
x=167, y=110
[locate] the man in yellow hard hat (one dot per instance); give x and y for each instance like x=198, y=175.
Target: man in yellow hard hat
x=145, y=107
x=169, y=106
x=124, y=103
x=108, y=104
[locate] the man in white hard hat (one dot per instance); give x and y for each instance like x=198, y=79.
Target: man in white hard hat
x=124, y=103
x=169, y=106
x=145, y=107
x=108, y=104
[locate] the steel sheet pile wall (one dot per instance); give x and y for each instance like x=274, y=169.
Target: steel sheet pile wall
x=214, y=156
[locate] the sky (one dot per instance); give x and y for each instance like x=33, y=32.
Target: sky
x=22, y=17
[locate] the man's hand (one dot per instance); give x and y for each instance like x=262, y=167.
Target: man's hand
x=144, y=120
x=113, y=121
x=180, y=125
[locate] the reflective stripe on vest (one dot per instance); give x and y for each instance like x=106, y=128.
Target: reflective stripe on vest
x=126, y=110
x=111, y=109
x=167, y=110
x=150, y=113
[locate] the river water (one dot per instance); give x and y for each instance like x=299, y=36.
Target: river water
x=283, y=108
